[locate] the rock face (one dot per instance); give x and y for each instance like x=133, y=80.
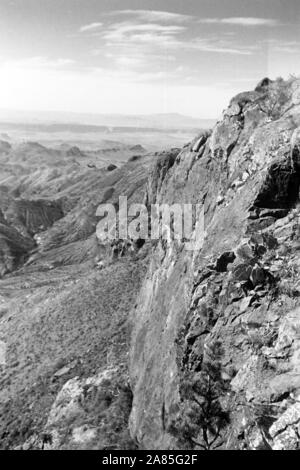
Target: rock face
x=19, y=223
x=241, y=289
x=32, y=217
x=13, y=247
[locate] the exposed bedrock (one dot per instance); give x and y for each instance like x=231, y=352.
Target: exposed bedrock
x=14, y=247
x=240, y=291
x=21, y=220
x=33, y=216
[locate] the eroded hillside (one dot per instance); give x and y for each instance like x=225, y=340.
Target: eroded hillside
x=65, y=299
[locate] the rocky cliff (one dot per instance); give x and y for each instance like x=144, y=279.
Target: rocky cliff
x=240, y=291
x=210, y=357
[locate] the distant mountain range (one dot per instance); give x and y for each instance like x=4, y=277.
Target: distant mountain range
x=153, y=121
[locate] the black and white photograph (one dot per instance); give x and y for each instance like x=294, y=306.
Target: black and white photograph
x=149, y=228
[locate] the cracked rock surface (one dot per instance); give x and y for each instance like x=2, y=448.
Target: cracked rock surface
x=241, y=289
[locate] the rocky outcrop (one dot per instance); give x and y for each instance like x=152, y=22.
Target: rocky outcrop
x=241, y=290
x=14, y=247
x=88, y=402
x=74, y=152
x=19, y=223
x=32, y=217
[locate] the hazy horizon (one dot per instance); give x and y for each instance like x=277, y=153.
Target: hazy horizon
x=142, y=57
x=101, y=119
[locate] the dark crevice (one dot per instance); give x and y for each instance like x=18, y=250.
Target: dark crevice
x=223, y=261
x=280, y=189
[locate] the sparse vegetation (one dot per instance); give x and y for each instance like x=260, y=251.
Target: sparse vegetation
x=202, y=415
x=85, y=319
x=278, y=96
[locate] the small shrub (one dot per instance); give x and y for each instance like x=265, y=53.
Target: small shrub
x=201, y=416
x=278, y=95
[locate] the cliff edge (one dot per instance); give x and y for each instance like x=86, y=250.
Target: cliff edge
x=240, y=292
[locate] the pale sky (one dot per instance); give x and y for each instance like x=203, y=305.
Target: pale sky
x=142, y=56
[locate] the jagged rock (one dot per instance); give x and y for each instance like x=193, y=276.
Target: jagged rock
x=254, y=139
x=242, y=272
x=257, y=440
x=245, y=252
x=263, y=84
x=258, y=275
x=67, y=403
x=199, y=143
x=260, y=224
x=246, y=303
x=233, y=110
x=269, y=241
x=71, y=405
x=276, y=213
x=285, y=430
x=161, y=167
